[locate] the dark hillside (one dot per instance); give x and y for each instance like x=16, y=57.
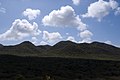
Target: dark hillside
x=95, y=50
x=63, y=61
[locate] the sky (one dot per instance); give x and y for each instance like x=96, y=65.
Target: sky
x=50, y=21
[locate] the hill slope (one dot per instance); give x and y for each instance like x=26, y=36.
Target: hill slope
x=95, y=50
x=85, y=61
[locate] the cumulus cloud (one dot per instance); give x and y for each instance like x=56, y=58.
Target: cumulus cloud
x=51, y=37
x=108, y=42
x=113, y=4
x=64, y=17
x=43, y=43
x=31, y=13
x=86, y=36
x=20, y=29
x=71, y=38
x=117, y=12
x=100, y=9
x=34, y=40
x=76, y=2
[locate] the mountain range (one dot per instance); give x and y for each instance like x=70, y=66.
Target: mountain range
x=65, y=60
x=94, y=50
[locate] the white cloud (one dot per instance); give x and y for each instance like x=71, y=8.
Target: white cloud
x=113, y=4
x=63, y=18
x=86, y=40
x=76, y=2
x=51, y=37
x=43, y=43
x=100, y=9
x=86, y=36
x=20, y=29
x=108, y=42
x=31, y=13
x=71, y=38
x=34, y=40
x=117, y=12
x=67, y=33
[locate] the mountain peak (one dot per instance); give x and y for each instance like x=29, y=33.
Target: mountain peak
x=26, y=43
x=95, y=42
x=64, y=43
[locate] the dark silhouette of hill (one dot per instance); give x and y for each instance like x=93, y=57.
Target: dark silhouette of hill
x=94, y=50
x=25, y=43
x=65, y=60
x=24, y=48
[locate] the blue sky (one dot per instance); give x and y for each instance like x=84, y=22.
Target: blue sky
x=50, y=21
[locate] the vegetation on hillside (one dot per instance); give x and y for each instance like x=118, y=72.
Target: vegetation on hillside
x=64, y=61
x=47, y=68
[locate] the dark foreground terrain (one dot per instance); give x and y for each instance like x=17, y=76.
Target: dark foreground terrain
x=53, y=68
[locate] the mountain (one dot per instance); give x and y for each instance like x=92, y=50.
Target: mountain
x=25, y=49
x=65, y=60
x=25, y=43
x=66, y=48
x=94, y=50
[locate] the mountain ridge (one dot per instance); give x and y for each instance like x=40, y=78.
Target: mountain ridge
x=94, y=50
